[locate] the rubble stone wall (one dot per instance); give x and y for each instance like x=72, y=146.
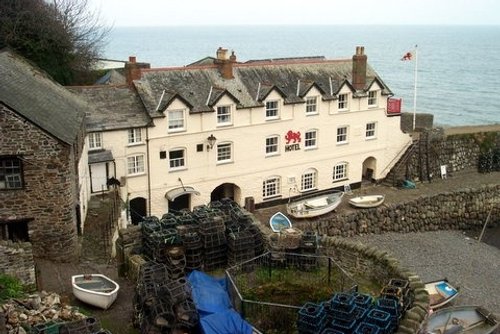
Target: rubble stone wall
x=460, y=210
x=47, y=200
x=16, y=260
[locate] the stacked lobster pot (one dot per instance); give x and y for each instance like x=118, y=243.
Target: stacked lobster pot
x=176, y=262
x=213, y=236
x=308, y=246
x=241, y=247
x=311, y=319
x=158, y=237
x=193, y=250
x=163, y=304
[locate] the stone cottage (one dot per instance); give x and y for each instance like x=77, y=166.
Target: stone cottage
x=43, y=160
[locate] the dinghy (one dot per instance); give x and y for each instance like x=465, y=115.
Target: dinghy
x=460, y=319
x=440, y=293
x=315, y=206
x=279, y=222
x=370, y=201
x=95, y=289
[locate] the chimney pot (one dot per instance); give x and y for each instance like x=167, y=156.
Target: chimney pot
x=132, y=59
x=221, y=53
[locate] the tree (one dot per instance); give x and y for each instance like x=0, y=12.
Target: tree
x=61, y=36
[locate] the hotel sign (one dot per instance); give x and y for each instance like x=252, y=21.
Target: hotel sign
x=292, y=141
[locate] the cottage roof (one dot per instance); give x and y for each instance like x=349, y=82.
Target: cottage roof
x=34, y=95
x=112, y=107
x=199, y=86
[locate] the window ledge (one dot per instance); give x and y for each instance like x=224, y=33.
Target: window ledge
x=272, y=197
x=136, y=174
x=177, y=169
x=340, y=180
x=310, y=148
x=225, y=162
x=135, y=144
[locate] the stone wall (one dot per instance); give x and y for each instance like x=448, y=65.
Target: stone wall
x=458, y=152
x=47, y=200
x=463, y=209
x=16, y=260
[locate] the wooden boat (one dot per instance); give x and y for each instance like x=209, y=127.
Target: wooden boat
x=315, y=206
x=279, y=222
x=95, y=289
x=461, y=319
x=440, y=293
x=370, y=201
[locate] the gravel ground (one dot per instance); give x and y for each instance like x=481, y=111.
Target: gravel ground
x=471, y=265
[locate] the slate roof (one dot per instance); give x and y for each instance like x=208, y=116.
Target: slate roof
x=112, y=107
x=201, y=86
x=100, y=156
x=34, y=95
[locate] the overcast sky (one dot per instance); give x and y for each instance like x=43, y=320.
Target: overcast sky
x=121, y=13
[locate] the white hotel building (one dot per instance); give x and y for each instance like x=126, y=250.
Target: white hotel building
x=258, y=132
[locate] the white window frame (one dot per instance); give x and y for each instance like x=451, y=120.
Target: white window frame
x=224, y=153
x=11, y=173
x=372, y=99
x=340, y=171
x=95, y=141
x=135, y=164
x=309, y=180
x=312, y=105
x=311, y=142
x=371, y=130
x=343, y=102
x=342, y=134
x=176, y=123
x=177, y=163
x=272, y=109
x=272, y=145
x=134, y=136
x=271, y=187
x=224, y=115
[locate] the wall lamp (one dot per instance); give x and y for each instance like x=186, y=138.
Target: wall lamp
x=211, y=141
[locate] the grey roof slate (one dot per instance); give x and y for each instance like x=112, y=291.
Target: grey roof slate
x=34, y=95
x=100, y=156
x=201, y=86
x=112, y=107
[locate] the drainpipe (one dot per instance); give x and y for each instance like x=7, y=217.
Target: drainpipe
x=149, y=172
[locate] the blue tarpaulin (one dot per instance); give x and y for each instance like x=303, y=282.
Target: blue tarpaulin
x=214, y=306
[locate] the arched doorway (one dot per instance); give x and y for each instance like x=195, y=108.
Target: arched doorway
x=369, y=169
x=180, y=202
x=226, y=190
x=137, y=208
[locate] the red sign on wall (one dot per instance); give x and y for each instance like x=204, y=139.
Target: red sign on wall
x=393, y=106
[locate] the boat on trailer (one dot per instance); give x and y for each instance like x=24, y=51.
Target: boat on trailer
x=315, y=206
x=441, y=292
x=95, y=289
x=370, y=201
x=279, y=222
x=460, y=319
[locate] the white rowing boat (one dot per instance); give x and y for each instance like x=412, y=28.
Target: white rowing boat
x=95, y=289
x=315, y=206
x=370, y=201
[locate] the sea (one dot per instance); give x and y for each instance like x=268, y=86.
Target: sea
x=454, y=73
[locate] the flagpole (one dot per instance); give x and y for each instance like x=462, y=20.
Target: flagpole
x=415, y=89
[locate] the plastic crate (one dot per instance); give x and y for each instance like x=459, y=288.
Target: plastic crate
x=49, y=327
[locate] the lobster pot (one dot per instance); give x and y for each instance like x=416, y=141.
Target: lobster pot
x=311, y=319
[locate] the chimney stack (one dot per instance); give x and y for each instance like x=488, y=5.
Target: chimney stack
x=359, y=61
x=133, y=69
x=224, y=64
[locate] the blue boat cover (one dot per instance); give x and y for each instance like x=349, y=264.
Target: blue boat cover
x=214, y=306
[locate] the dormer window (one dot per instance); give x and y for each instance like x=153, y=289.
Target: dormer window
x=312, y=105
x=176, y=121
x=272, y=110
x=224, y=116
x=343, y=102
x=372, y=98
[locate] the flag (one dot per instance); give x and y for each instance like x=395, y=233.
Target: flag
x=407, y=56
